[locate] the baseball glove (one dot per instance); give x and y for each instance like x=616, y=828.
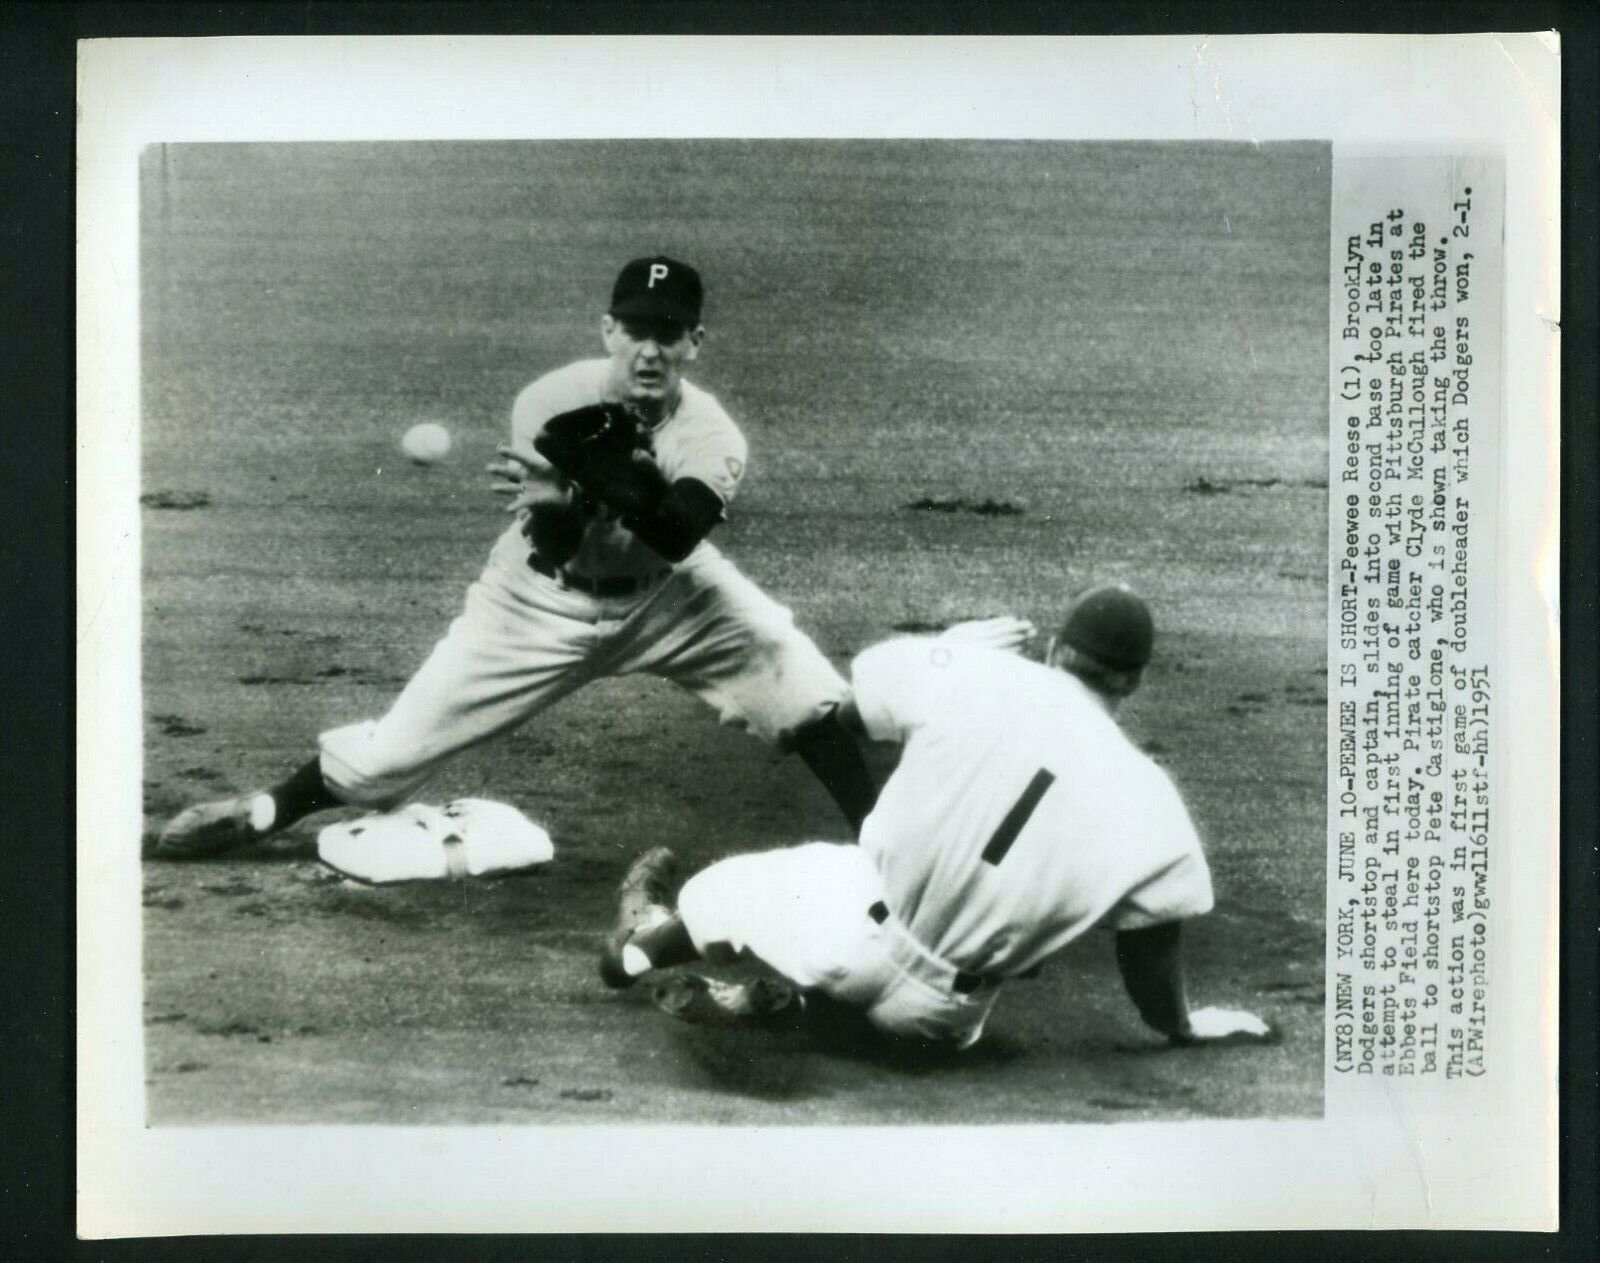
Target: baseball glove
x=602, y=449
x=556, y=530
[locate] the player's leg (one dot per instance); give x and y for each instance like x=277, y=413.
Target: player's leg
x=648, y=934
x=515, y=649
x=212, y=828
x=815, y=914
x=834, y=757
x=912, y=1009
x=717, y=634
x=802, y=910
x=927, y=999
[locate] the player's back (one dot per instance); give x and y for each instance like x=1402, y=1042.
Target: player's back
x=1020, y=814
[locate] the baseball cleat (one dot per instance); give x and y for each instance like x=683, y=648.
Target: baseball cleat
x=644, y=898
x=691, y=998
x=208, y=829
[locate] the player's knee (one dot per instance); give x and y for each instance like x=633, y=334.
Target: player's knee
x=355, y=768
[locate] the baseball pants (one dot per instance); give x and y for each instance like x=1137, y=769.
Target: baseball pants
x=524, y=641
x=809, y=912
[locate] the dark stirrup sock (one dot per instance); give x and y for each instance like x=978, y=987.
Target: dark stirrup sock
x=663, y=945
x=834, y=757
x=300, y=795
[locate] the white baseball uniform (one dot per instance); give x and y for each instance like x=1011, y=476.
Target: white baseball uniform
x=527, y=638
x=1019, y=816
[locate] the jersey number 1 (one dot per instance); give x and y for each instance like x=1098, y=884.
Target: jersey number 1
x=1017, y=818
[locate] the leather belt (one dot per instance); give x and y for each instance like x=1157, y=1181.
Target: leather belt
x=620, y=585
x=963, y=983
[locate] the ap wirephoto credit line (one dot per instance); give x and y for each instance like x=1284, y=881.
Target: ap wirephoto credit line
x=1416, y=413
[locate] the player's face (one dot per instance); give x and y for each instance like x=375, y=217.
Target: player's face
x=647, y=357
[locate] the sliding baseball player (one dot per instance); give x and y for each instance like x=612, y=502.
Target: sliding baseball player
x=1019, y=816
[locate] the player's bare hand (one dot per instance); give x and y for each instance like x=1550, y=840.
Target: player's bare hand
x=523, y=479
x=1230, y=1026
x=1004, y=632
x=524, y=458
x=534, y=495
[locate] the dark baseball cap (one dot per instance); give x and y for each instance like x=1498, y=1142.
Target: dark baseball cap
x=658, y=288
x=1111, y=625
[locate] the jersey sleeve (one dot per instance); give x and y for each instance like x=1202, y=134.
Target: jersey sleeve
x=1181, y=891
x=1179, y=888
x=895, y=685
x=713, y=452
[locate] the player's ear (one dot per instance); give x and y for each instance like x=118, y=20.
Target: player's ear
x=697, y=335
x=609, y=329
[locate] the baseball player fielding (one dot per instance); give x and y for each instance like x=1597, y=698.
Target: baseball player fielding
x=616, y=470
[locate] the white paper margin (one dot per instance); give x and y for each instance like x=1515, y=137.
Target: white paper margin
x=1460, y=1172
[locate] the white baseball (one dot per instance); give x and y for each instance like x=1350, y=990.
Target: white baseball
x=426, y=443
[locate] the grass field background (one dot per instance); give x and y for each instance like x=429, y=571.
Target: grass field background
x=1125, y=343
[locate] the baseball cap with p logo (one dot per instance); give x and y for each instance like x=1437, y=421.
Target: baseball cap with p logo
x=658, y=288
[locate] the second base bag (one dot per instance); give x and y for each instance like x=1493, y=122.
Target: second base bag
x=469, y=837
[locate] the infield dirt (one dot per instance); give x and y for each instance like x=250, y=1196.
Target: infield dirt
x=973, y=376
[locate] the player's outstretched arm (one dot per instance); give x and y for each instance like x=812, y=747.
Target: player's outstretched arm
x=1151, y=961
x=1004, y=632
